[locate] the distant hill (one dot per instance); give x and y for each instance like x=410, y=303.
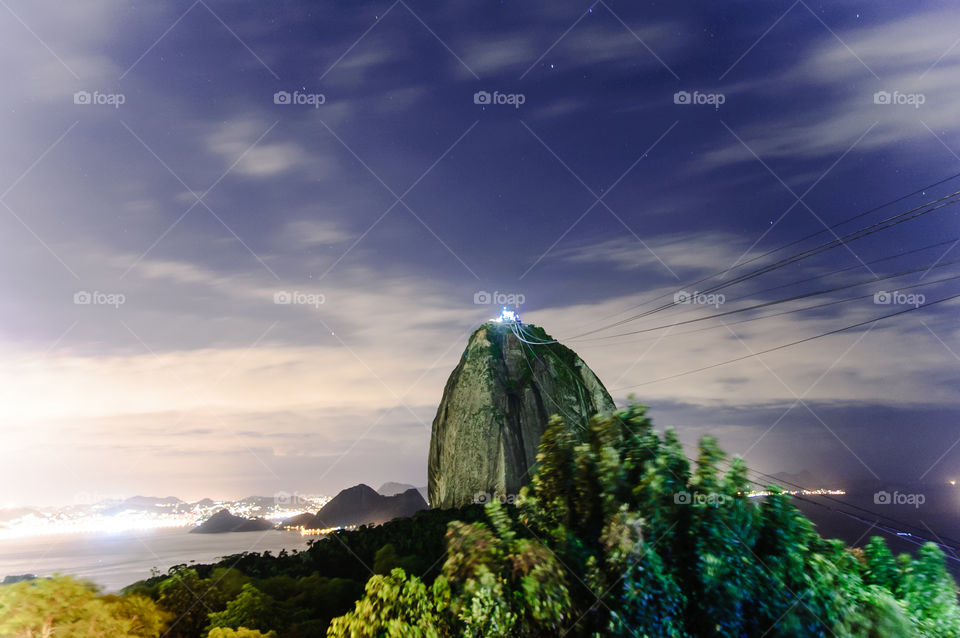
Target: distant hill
x=143, y=504
x=361, y=505
x=223, y=521
x=391, y=488
x=149, y=501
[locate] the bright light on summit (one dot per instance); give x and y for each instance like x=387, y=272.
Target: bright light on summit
x=508, y=316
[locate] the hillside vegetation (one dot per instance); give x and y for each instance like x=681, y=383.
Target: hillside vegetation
x=617, y=534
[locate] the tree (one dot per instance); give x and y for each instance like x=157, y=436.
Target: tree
x=251, y=609
x=931, y=594
x=501, y=583
x=647, y=600
x=190, y=599
x=395, y=606
x=880, y=567
x=722, y=571
x=242, y=632
x=64, y=606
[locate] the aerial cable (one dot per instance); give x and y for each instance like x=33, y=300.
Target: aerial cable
x=783, y=263
x=793, y=343
x=778, y=314
x=802, y=239
x=797, y=282
x=876, y=227
x=778, y=301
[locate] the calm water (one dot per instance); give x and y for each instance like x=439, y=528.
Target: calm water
x=114, y=561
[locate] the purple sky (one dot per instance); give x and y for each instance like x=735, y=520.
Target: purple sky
x=186, y=191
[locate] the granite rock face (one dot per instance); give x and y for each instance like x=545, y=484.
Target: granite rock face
x=495, y=408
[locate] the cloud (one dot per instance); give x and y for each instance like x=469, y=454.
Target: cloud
x=600, y=40
x=234, y=143
x=687, y=253
x=504, y=54
x=838, y=91
x=314, y=232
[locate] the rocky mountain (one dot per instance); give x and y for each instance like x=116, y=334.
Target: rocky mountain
x=361, y=505
x=223, y=521
x=495, y=408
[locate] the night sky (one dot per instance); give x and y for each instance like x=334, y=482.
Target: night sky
x=185, y=165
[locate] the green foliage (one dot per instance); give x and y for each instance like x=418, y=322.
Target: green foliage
x=879, y=615
x=242, y=632
x=616, y=535
x=387, y=558
x=880, y=567
x=394, y=606
x=931, y=595
x=305, y=589
x=647, y=598
x=64, y=606
x=502, y=583
x=251, y=609
x=494, y=583
x=189, y=599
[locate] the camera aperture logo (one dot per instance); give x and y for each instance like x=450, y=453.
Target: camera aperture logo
x=899, y=99
x=298, y=298
x=686, y=97
x=484, y=298
x=98, y=298
x=97, y=98
x=299, y=99
x=897, y=298
x=698, y=498
x=884, y=497
x=485, y=98
x=482, y=498
x=698, y=298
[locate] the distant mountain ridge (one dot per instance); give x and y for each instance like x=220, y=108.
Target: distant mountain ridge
x=391, y=488
x=361, y=505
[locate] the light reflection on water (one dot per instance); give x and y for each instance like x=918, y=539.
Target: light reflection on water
x=114, y=561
